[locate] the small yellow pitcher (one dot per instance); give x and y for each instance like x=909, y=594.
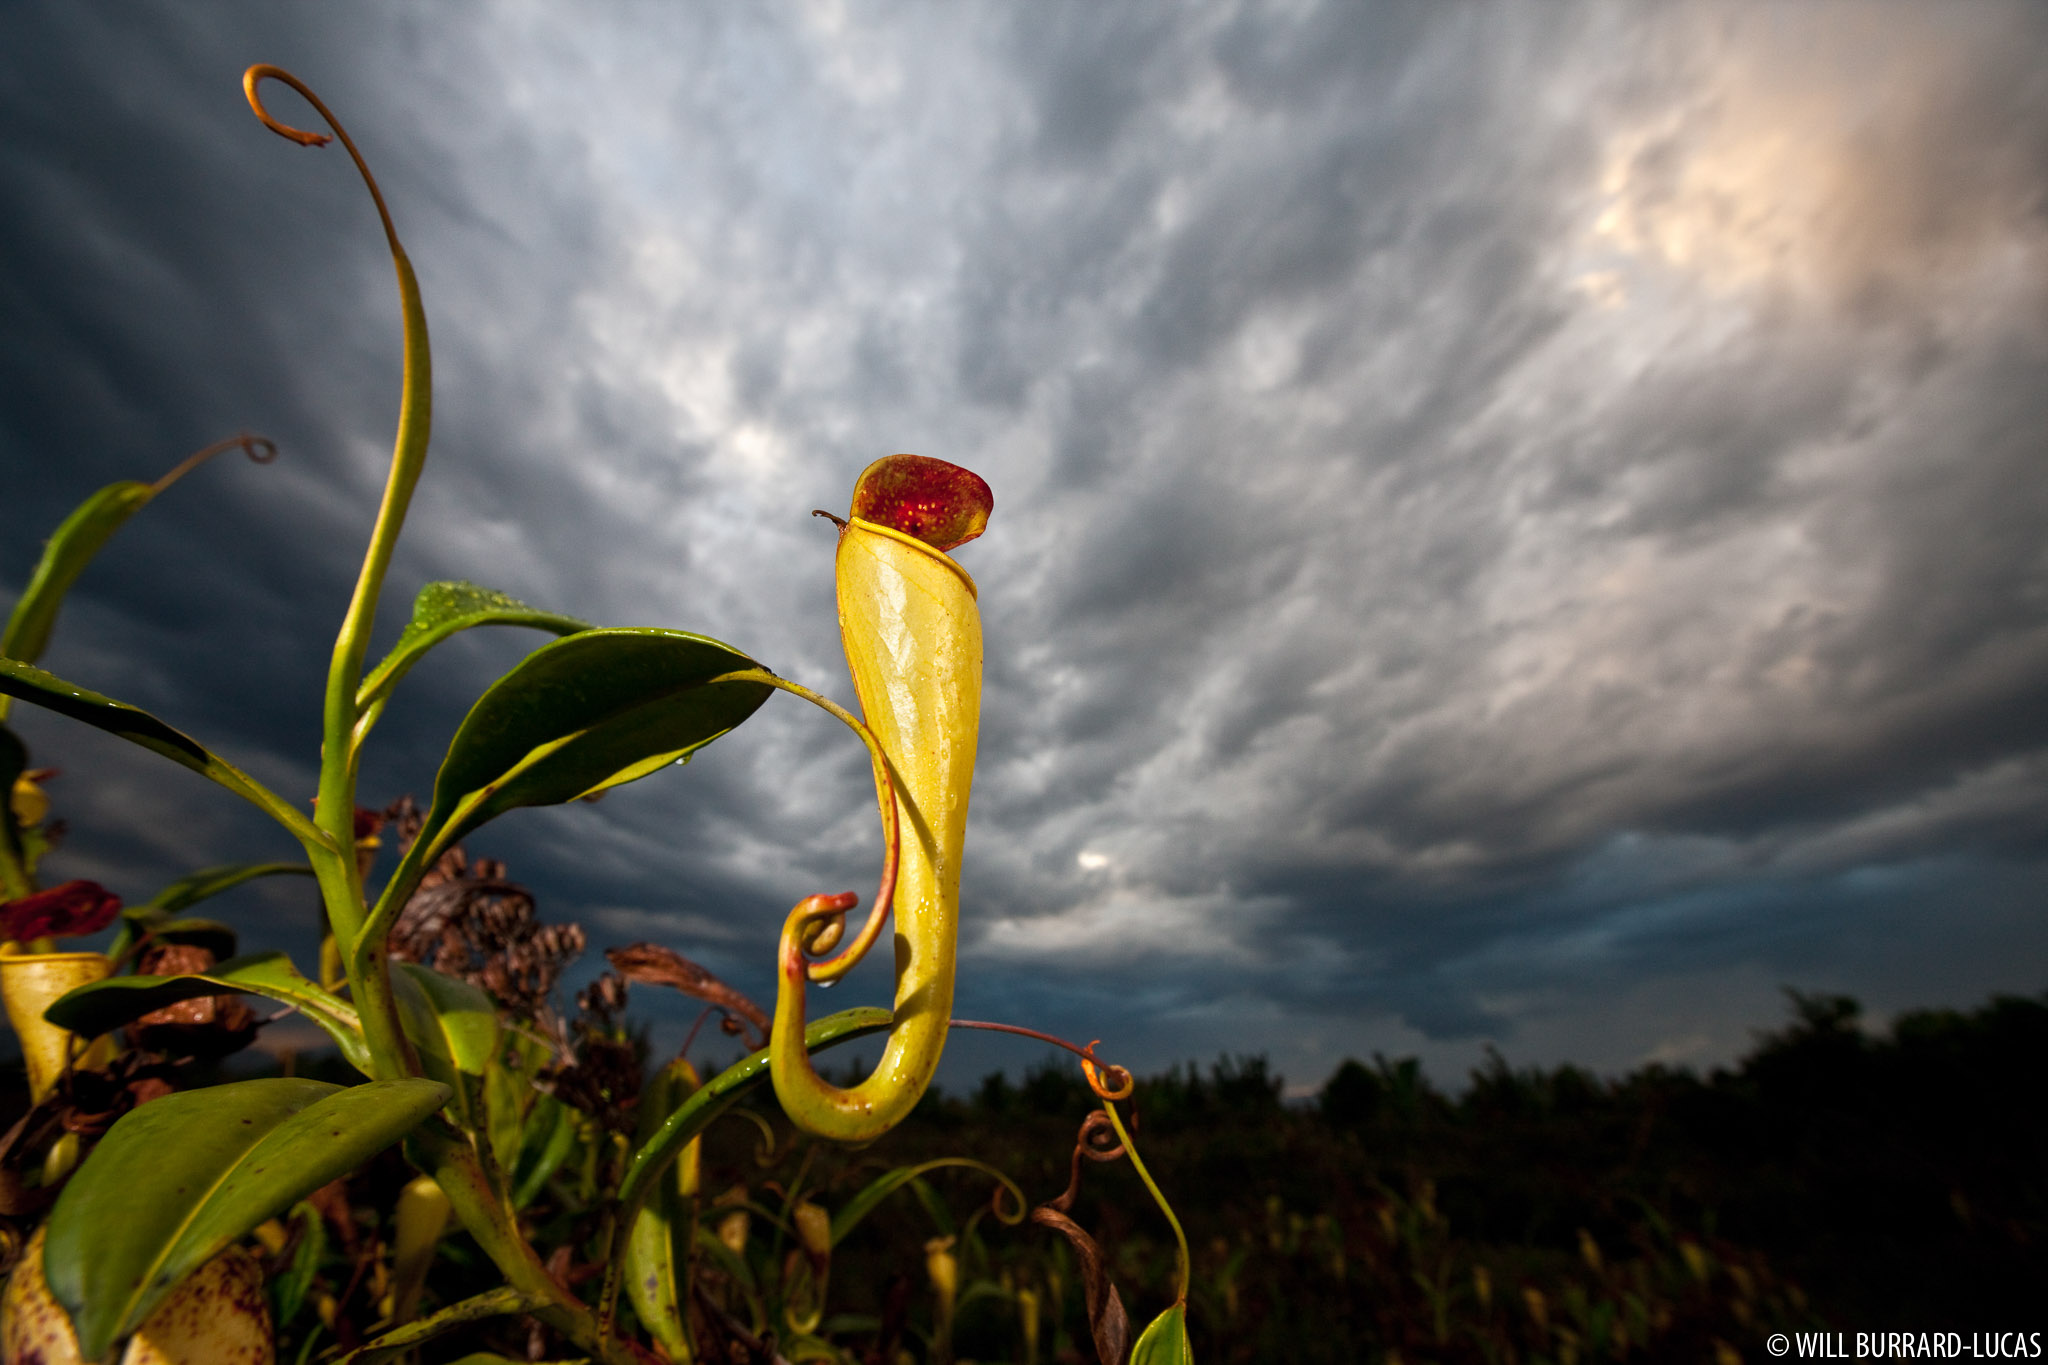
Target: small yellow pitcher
x=30, y=984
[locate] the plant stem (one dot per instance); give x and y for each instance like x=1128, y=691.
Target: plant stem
x=481, y=1206
x=391, y=1053
x=335, y=810
x=1138, y=1164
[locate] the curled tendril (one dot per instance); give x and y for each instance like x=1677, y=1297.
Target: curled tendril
x=254, y=77
x=259, y=449
x=819, y=922
x=815, y=925
x=359, y=933
x=1007, y=1194
x=1097, y=1141
x=764, y=1134
x=1108, y=1080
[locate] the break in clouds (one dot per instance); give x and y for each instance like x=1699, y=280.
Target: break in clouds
x=1512, y=525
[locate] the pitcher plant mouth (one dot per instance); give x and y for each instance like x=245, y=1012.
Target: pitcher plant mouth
x=911, y=627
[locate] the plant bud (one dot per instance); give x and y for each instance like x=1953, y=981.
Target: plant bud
x=814, y=1230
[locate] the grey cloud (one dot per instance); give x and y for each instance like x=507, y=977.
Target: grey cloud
x=1492, y=515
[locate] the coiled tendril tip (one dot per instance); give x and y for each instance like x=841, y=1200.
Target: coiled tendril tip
x=252, y=80
x=259, y=449
x=262, y=71
x=1108, y=1080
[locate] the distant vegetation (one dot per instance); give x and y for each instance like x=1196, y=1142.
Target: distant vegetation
x=1835, y=1177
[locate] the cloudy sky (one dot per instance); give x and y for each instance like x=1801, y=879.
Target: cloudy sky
x=1515, y=526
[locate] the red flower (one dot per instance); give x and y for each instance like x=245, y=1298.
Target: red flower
x=65, y=911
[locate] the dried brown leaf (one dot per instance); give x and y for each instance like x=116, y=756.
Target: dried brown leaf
x=653, y=965
x=1107, y=1321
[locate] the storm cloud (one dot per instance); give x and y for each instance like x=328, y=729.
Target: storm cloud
x=1513, y=525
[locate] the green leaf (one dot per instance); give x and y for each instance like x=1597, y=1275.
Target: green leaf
x=209, y=882
x=454, y=1029
x=575, y=717
x=654, y=1269
x=512, y=1102
x=137, y=726
x=65, y=556
x=158, y=915
x=442, y=609
x=399, y=1343
x=288, y=1289
x=31, y=684
x=547, y=1149
x=1165, y=1342
x=210, y=934
x=657, y=1252
x=177, y=1180
x=862, y=1204
x=106, y=1005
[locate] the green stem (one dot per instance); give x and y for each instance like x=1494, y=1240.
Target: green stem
x=1137, y=1164
x=391, y=1053
x=335, y=810
x=482, y=1207
x=270, y=803
x=338, y=757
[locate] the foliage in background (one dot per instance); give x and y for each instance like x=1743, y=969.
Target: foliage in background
x=1833, y=1179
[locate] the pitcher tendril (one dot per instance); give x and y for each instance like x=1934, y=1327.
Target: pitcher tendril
x=259, y=449
x=409, y=453
x=252, y=81
x=912, y=632
x=1106, y=1079
x=824, y=928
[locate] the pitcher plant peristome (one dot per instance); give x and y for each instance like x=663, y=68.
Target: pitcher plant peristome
x=912, y=632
